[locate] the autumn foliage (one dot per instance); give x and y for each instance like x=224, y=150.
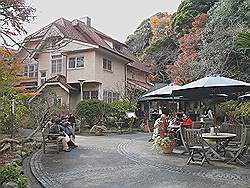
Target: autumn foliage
x=159, y=25
x=14, y=13
x=189, y=45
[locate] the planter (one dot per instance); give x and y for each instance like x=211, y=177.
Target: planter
x=146, y=128
x=168, y=148
x=98, y=133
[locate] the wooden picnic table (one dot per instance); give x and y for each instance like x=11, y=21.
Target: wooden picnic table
x=221, y=141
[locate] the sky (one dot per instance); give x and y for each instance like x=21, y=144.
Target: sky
x=115, y=18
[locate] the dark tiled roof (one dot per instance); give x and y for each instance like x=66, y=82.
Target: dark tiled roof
x=61, y=79
x=78, y=30
x=144, y=85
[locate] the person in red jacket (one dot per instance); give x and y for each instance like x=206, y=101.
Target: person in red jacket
x=187, y=121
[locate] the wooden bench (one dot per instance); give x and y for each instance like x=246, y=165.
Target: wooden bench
x=52, y=143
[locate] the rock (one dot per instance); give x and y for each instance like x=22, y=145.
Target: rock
x=19, y=152
x=10, y=185
x=5, y=148
x=18, y=155
x=24, y=154
x=18, y=161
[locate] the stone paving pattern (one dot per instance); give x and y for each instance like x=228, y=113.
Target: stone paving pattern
x=129, y=161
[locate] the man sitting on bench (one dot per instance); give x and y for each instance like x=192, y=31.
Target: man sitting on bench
x=55, y=129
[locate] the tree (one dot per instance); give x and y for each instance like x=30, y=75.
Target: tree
x=187, y=11
x=218, y=54
x=243, y=41
x=14, y=14
x=149, y=31
x=159, y=55
x=140, y=39
x=9, y=76
x=182, y=71
x=160, y=25
x=43, y=107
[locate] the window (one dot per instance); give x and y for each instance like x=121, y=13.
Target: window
x=94, y=94
x=25, y=70
x=56, y=64
x=43, y=80
x=43, y=76
x=109, y=96
x=58, y=100
x=76, y=62
x=132, y=74
x=105, y=95
x=90, y=94
x=115, y=96
x=118, y=47
x=107, y=64
x=30, y=71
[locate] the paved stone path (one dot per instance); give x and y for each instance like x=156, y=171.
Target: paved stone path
x=129, y=161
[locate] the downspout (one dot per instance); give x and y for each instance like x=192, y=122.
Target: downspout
x=66, y=76
x=126, y=81
x=66, y=71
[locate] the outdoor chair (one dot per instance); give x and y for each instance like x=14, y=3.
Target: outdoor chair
x=197, y=124
x=52, y=143
x=237, y=150
x=193, y=143
x=235, y=128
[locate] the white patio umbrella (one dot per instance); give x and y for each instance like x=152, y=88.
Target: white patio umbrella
x=212, y=84
x=164, y=91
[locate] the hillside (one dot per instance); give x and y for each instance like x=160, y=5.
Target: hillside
x=201, y=38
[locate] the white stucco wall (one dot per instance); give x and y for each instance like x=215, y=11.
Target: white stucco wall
x=111, y=80
x=87, y=72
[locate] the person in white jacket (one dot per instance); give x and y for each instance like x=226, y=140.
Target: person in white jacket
x=157, y=125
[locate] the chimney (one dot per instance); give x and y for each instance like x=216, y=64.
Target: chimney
x=86, y=20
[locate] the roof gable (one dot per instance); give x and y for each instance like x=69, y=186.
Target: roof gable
x=79, y=31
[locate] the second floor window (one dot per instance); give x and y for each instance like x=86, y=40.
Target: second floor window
x=107, y=64
x=76, y=62
x=30, y=71
x=56, y=64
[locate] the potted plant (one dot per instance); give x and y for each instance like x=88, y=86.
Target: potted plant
x=98, y=130
x=166, y=144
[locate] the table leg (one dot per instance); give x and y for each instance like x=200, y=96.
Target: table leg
x=211, y=148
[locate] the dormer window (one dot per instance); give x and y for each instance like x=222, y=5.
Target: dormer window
x=118, y=47
x=53, y=42
x=109, y=43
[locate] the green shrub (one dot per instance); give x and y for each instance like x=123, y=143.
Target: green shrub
x=235, y=110
x=12, y=173
x=92, y=111
x=119, y=109
x=243, y=110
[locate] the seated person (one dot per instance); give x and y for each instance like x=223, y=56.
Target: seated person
x=160, y=126
x=66, y=127
x=55, y=129
x=187, y=121
x=178, y=118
